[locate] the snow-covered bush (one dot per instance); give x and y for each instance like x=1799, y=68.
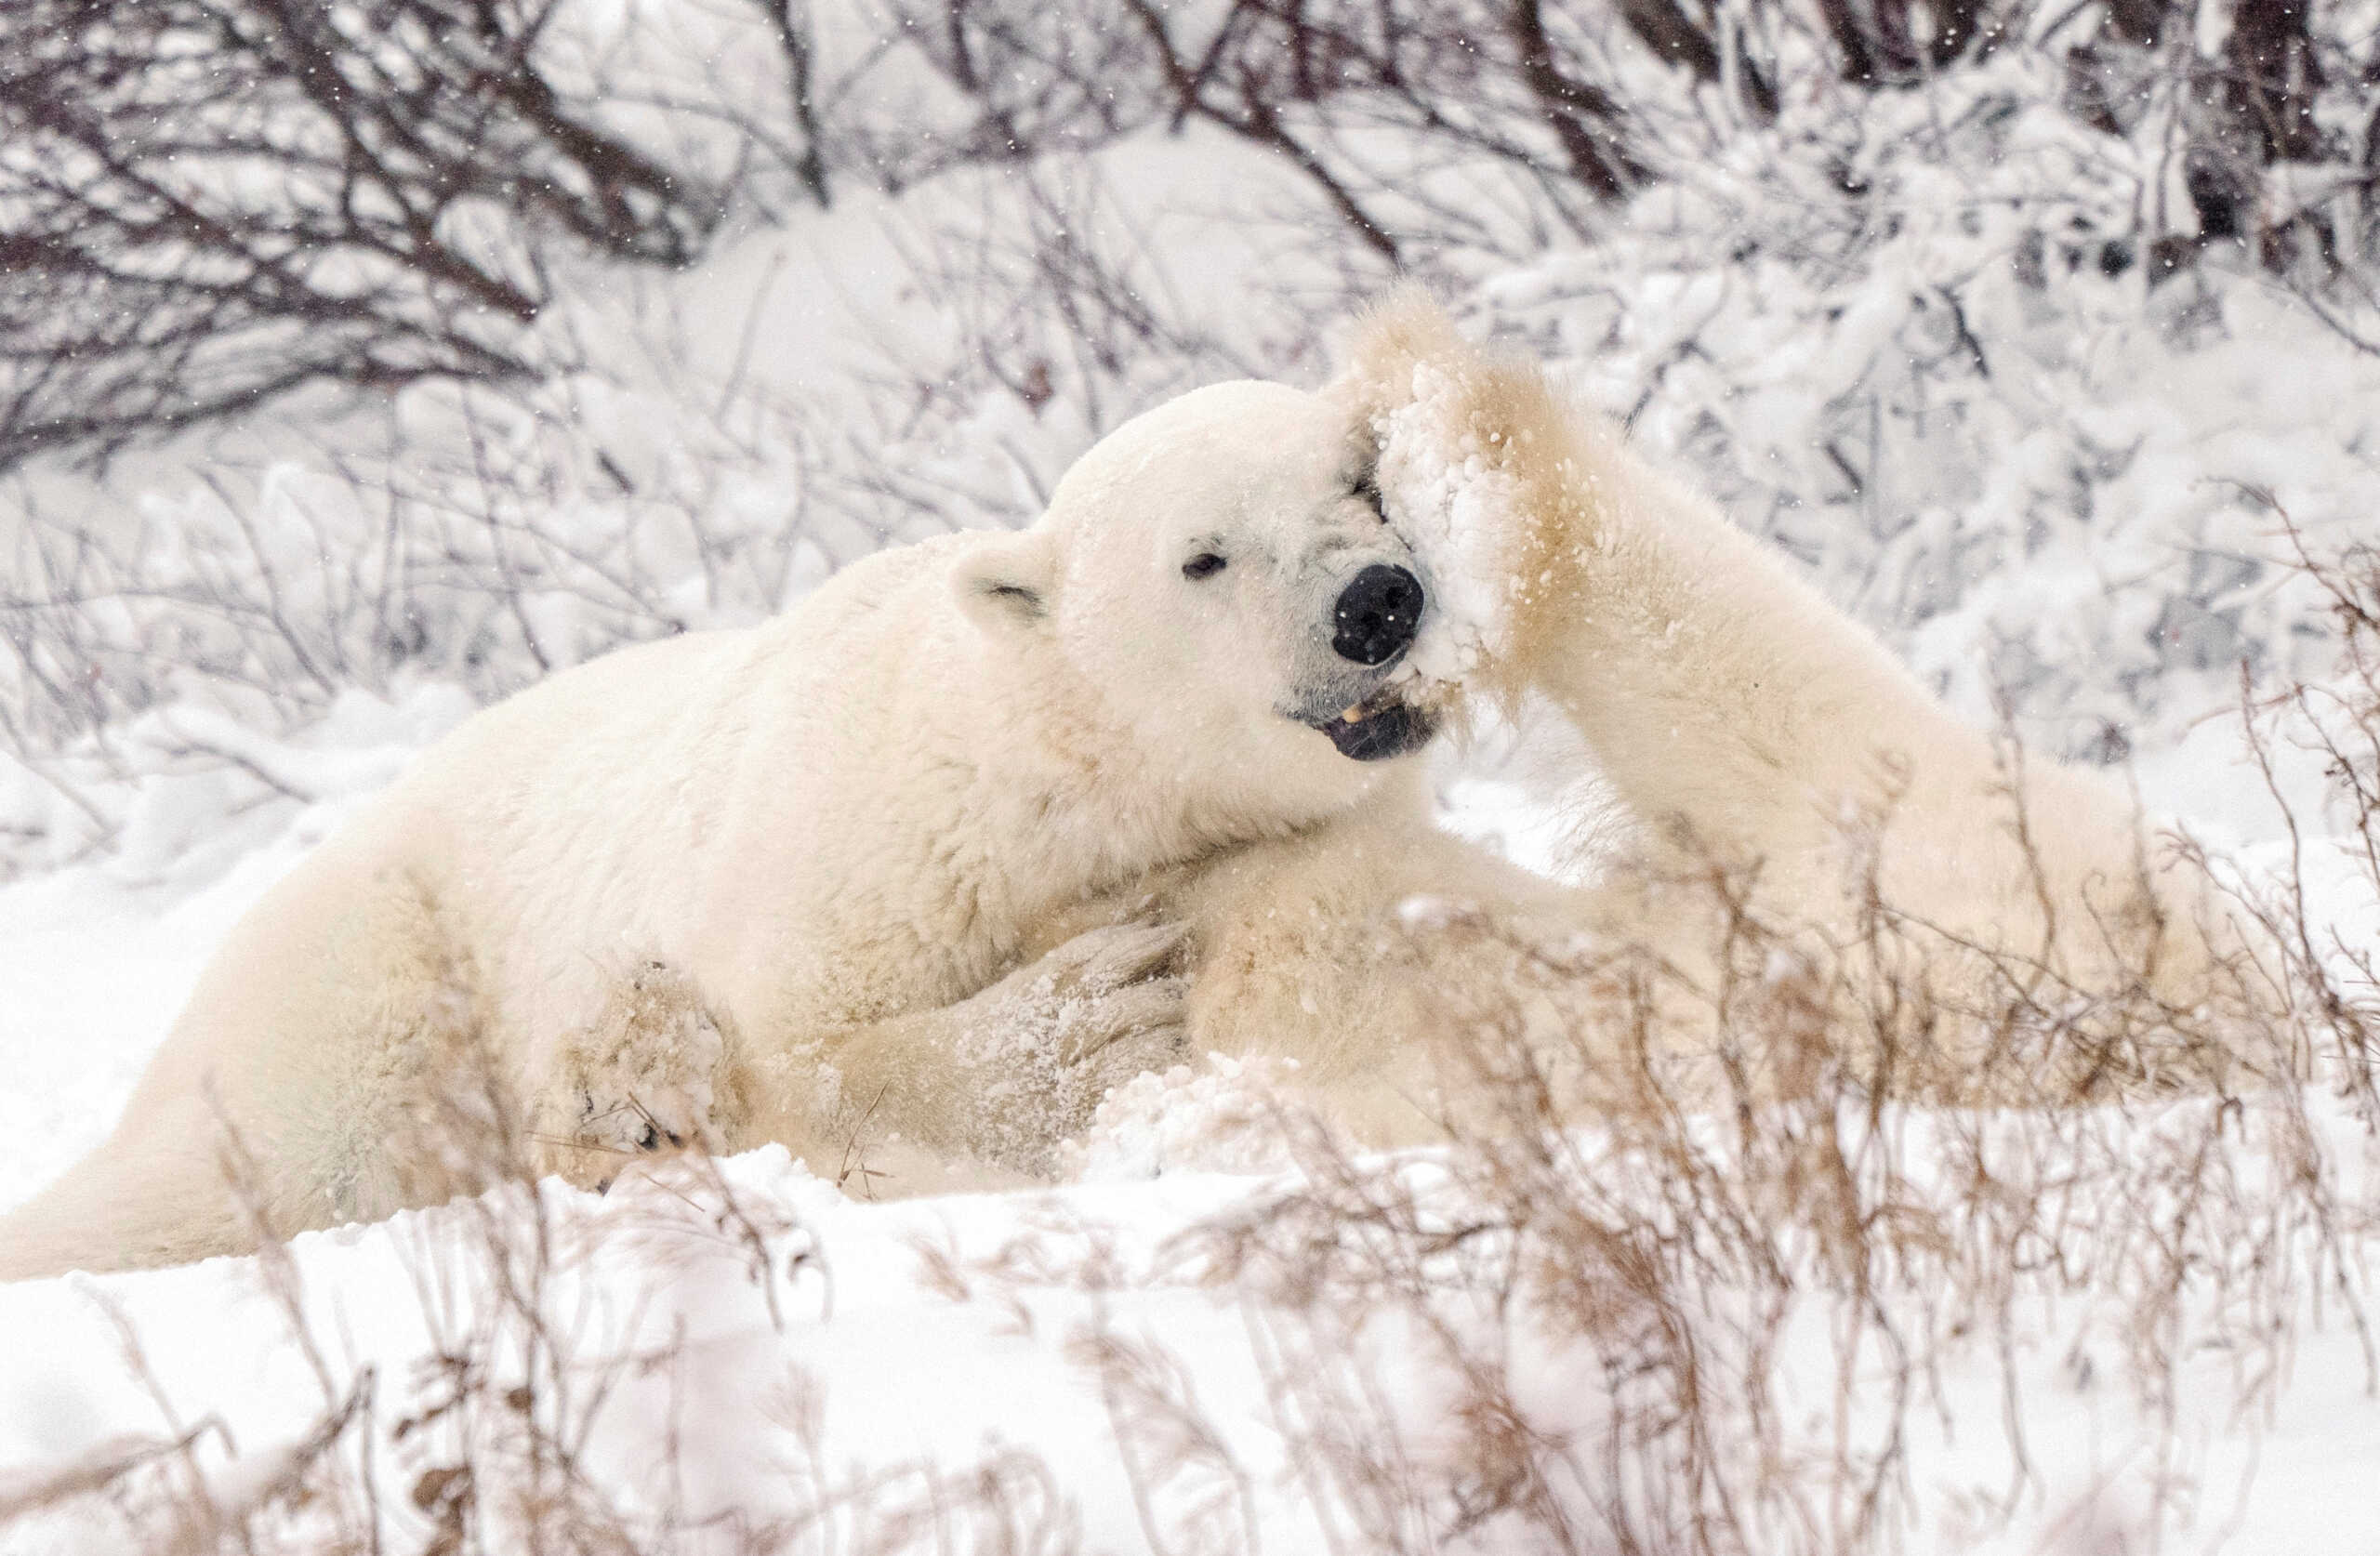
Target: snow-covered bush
x=1919, y=340
x=206, y=204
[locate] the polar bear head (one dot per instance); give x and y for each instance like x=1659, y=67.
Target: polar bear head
x=1218, y=574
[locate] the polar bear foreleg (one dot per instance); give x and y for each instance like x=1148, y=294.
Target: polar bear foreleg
x=1405, y=971
x=997, y=1079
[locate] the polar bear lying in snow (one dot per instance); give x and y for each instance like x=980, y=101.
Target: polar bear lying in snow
x=990, y=824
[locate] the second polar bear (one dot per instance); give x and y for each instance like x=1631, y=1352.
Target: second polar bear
x=988, y=824
x=1829, y=867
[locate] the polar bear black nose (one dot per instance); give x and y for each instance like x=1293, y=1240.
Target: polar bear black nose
x=1378, y=614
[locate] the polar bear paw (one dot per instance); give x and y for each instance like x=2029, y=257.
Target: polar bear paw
x=1108, y=984
x=645, y=1076
x=1047, y=1042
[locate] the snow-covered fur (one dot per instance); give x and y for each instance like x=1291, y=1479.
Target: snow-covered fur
x=909, y=877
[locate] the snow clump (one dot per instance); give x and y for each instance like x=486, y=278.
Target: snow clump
x=1226, y=1118
x=1442, y=488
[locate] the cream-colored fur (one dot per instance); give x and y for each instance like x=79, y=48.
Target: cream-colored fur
x=905, y=878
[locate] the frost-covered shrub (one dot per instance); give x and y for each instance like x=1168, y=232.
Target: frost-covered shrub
x=1933, y=339
x=1924, y=346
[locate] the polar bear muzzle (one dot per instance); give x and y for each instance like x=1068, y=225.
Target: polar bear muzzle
x=1380, y=729
x=1374, y=619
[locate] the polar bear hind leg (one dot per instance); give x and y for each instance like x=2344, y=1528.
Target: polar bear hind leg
x=294, y=1091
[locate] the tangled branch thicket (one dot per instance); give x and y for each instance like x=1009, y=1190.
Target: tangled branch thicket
x=205, y=204
x=1840, y=257
x=209, y=203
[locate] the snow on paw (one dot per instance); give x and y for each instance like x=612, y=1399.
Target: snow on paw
x=1152, y=1039
x=648, y=1074
x=1230, y=1117
x=1458, y=509
x=1043, y=1044
x=1458, y=468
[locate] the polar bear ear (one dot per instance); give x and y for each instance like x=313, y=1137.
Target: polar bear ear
x=1005, y=582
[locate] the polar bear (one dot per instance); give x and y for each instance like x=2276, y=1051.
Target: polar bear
x=877, y=865
x=1827, y=867
x=912, y=875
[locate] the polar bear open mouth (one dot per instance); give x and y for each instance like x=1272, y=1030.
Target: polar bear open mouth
x=1379, y=728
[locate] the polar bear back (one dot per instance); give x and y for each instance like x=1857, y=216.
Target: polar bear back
x=782, y=787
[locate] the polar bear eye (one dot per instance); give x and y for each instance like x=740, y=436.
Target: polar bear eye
x=1206, y=564
x=1367, y=490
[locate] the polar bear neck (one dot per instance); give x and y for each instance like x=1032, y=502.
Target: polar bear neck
x=1070, y=803
x=979, y=787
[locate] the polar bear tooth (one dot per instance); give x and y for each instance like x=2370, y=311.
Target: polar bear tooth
x=1354, y=711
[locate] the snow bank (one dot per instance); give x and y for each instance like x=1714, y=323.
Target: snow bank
x=744, y=1359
